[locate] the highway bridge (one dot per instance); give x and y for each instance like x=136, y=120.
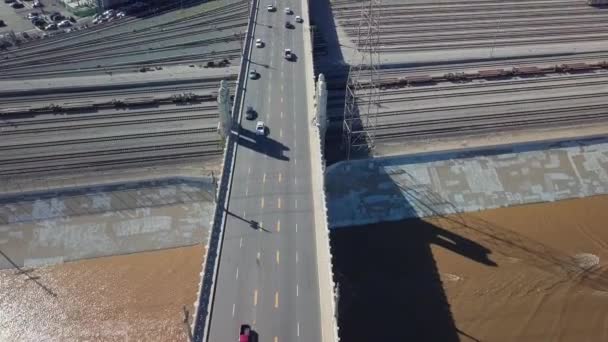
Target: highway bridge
x=268, y=262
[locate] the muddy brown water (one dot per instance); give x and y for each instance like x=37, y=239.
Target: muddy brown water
x=527, y=273
x=137, y=297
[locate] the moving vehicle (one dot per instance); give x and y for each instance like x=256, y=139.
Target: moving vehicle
x=260, y=128
x=245, y=333
x=288, y=25
x=288, y=54
x=250, y=113
x=259, y=43
x=253, y=74
x=288, y=10
x=299, y=19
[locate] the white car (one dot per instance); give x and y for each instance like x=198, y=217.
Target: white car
x=299, y=19
x=65, y=23
x=288, y=10
x=288, y=54
x=253, y=74
x=260, y=129
x=271, y=8
x=259, y=43
x=32, y=15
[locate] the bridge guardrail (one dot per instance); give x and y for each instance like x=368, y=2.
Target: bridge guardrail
x=204, y=305
x=328, y=318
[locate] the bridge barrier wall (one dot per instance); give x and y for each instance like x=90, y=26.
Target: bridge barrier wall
x=327, y=287
x=203, y=307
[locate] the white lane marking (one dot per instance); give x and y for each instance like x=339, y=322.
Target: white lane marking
x=237, y=273
x=298, y=329
x=280, y=133
x=249, y=171
x=279, y=203
x=297, y=290
x=295, y=161
x=295, y=181
x=264, y=178
x=247, y=191
x=241, y=242
x=278, y=225
x=255, y=297
x=281, y=115
x=296, y=232
x=280, y=177
x=297, y=257
x=281, y=86
x=262, y=204
x=276, y=299
x=296, y=204
x=278, y=257
x=281, y=99
x=233, y=307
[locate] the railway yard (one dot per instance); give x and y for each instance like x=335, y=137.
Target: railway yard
x=471, y=68
x=136, y=93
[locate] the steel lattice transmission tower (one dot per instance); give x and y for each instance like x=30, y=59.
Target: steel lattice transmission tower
x=362, y=94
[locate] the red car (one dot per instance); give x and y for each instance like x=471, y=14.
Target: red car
x=245, y=334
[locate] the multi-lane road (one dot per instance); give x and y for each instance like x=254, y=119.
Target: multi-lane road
x=267, y=273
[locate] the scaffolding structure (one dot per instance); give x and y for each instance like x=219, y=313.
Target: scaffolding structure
x=362, y=94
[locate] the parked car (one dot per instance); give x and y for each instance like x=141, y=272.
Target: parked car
x=64, y=23
x=259, y=43
x=32, y=15
x=299, y=19
x=288, y=10
x=9, y=1
x=51, y=27
x=288, y=25
x=17, y=4
x=2, y=24
x=271, y=8
x=37, y=4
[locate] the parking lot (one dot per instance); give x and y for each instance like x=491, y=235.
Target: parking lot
x=16, y=18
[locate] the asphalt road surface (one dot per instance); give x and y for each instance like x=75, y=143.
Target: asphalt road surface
x=268, y=275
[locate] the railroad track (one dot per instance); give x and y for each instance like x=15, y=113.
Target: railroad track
x=340, y=76
x=396, y=38
x=491, y=26
x=116, y=93
x=586, y=38
x=499, y=103
x=491, y=122
x=104, y=139
x=414, y=91
x=5, y=124
x=113, y=124
x=348, y=4
x=102, y=52
x=171, y=153
x=128, y=66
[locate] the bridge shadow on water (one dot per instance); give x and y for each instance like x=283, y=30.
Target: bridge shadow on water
x=389, y=284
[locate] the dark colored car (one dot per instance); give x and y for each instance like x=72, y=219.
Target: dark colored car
x=9, y=1
x=17, y=5
x=288, y=25
x=250, y=113
x=2, y=24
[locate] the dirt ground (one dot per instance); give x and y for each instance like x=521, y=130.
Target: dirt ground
x=137, y=297
x=527, y=273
